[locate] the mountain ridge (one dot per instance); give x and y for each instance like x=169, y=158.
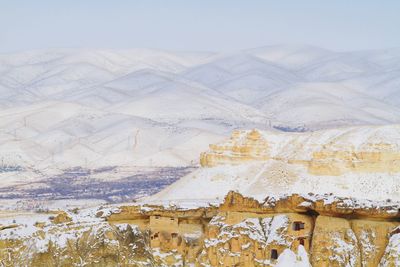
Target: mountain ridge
x=118, y=96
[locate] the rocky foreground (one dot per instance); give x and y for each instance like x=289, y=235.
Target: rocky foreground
x=294, y=230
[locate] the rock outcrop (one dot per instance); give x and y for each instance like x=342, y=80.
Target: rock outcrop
x=99, y=244
x=391, y=256
x=332, y=152
x=311, y=230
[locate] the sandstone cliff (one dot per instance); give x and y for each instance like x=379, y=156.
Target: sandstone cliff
x=329, y=152
x=310, y=230
x=362, y=162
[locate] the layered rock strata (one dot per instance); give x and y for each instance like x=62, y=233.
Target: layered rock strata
x=329, y=152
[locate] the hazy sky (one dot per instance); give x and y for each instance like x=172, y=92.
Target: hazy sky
x=198, y=25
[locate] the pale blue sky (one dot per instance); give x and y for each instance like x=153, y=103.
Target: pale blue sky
x=217, y=25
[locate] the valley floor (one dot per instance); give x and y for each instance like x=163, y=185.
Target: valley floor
x=85, y=187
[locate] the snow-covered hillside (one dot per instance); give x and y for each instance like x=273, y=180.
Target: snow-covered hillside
x=361, y=162
x=64, y=108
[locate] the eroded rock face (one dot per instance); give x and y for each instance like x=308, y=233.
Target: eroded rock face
x=242, y=146
x=322, y=153
x=96, y=245
x=250, y=240
x=334, y=243
x=391, y=256
x=306, y=230
x=373, y=237
x=382, y=158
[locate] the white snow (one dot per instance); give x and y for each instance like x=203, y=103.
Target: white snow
x=289, y=259
x=276, y=177
x=62, y=108
x=391, y=256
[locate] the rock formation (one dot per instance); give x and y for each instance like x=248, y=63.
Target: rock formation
x=321, y=230
x=292, y=229
x=323, y=153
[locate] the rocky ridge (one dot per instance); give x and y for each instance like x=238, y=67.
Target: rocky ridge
x=330, y=152
x=361, y=162
x=311, y=230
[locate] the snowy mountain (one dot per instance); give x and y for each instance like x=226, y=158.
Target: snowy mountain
x=63, y=108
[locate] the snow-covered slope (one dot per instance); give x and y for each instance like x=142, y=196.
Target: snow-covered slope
x=361, y=162
x=327, y=104
x=62, y=108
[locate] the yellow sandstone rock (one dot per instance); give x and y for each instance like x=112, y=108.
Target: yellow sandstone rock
x=319, y=158
x=240, y=232
x=61, y=217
